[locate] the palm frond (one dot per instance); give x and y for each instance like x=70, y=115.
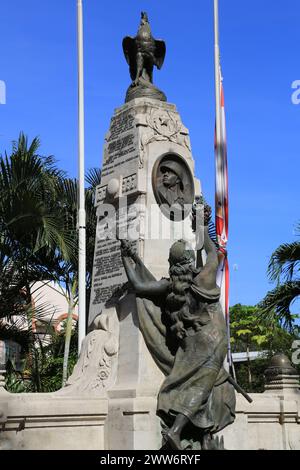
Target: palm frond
x=93, y=177
x=284, y=261
x=68, y=192
x=279, y=300
x=55, y=236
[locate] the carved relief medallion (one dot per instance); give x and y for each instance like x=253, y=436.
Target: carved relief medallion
x=173, y=186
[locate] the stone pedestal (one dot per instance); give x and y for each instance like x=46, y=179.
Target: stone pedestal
x=143, y=133
x=33, y=421
x=271, y=421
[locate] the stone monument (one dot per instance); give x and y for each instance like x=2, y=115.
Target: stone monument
x=152, y=222
x=146, y=196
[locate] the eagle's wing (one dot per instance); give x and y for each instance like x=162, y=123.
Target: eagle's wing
x=160, y=53
x=129, y=48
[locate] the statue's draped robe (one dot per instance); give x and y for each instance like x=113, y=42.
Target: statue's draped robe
x=196, y=383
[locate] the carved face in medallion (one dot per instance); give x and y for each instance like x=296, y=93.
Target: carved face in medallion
x=173, y=186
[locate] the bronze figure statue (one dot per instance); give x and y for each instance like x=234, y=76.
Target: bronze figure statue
x=184, y=329
x=142, y=53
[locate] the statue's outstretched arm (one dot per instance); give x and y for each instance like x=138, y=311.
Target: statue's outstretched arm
x=209, y=270
x=147, y=288
x=211, y=251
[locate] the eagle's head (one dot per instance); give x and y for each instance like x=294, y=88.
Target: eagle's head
x=144, y=18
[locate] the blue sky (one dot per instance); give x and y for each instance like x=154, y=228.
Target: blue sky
x=259, y=54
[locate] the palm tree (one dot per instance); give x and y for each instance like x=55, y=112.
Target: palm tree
x=32, y=232
x=284, y=269
x=39, y=239
x=68, y=275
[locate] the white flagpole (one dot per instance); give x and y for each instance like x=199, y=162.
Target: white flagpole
x=81, y=205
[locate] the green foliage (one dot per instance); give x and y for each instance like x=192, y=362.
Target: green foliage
x=38, y=242
x=13, y=381
x=257, y=375
x=246, y=329
x=251, y=332
x=43, y=369
x=284, y=269
x=278, y=302
x=32, y=231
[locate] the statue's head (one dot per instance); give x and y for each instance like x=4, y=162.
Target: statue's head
x=172, y=174
x=144, y=28
x=181, y=253
x=144, y=17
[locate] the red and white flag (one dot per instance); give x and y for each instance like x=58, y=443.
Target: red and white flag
x=221, y=201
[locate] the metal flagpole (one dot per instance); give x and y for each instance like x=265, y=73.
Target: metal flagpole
x=218, y=138
x=81, y=195
x=221, y=184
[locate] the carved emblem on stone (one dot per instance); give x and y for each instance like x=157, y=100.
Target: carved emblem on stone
x=173, y=186
x=164, y=125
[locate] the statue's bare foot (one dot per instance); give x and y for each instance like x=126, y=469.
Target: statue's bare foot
x=173, y=439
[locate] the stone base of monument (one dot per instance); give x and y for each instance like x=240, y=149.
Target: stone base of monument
x=132, y=424
x=44, y=422
x=50, y=422
x=271, y=422
x=123, y=421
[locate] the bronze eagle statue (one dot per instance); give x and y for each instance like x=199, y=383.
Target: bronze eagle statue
x=143, y=52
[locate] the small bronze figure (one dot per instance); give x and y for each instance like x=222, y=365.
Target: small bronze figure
x=142, y=53
x=184, y=329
